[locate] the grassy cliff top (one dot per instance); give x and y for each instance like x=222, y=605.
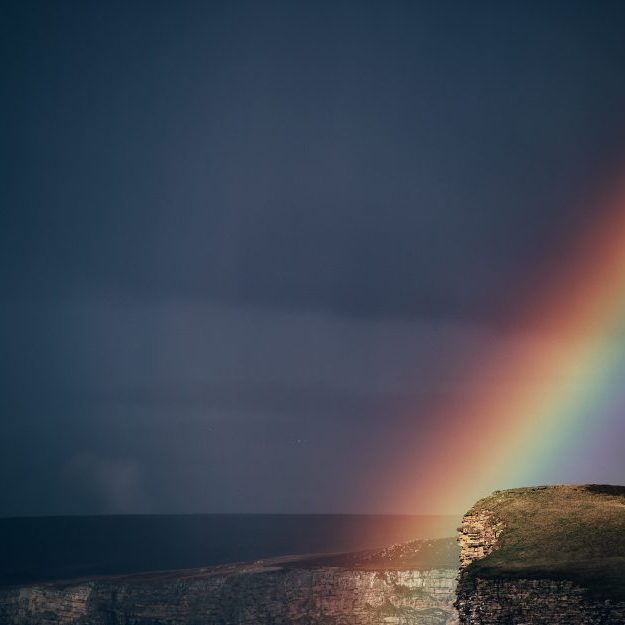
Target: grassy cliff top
x=572, y=532
x=439, y=553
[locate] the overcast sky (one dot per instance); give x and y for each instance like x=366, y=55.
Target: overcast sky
x=242, y=244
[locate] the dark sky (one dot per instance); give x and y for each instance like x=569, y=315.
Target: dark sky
x=238, y=240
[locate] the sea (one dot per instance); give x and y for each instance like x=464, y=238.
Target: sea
x=55, y=548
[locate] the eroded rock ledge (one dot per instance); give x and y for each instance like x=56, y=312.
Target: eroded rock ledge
x=544, y=556
x=394, y=587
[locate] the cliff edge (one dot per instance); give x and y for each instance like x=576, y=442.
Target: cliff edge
x=407, y=584
x=546, y=555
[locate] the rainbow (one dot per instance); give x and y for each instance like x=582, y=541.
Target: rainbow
x=540, y=402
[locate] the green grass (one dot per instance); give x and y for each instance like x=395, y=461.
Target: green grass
x=574, y=533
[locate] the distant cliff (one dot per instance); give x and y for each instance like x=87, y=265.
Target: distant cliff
x=412, y=584
x=544, y=556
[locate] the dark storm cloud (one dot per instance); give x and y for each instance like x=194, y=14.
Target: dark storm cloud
x=238, y=239
x=183, y=406
x=359, y=158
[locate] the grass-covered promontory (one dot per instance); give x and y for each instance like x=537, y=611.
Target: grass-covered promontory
x=571, y=532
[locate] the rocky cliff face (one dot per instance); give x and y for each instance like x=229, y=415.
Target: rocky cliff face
x=262, y=593
x=478, y=536
x=503, y=578
x=532, y=602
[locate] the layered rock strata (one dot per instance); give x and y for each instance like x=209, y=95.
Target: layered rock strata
x=477, y=536
x=270, y=592
x=533, y=602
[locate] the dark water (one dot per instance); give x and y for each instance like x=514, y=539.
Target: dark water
x=45, y=548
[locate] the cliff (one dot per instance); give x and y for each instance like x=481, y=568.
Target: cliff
x=550, y=555
x=411, y=584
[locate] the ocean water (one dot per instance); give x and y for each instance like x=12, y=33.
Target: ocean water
x=46, y=548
